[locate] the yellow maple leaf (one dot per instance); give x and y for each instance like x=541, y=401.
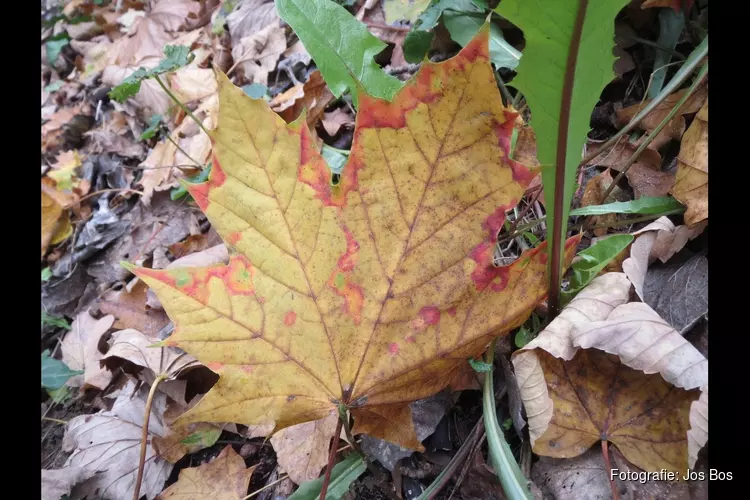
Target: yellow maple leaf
x=368, y=293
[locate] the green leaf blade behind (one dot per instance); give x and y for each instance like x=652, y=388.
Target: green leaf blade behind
x=593, y=260
x=463, y=28
x=662, y=205
x=342, y=47
x=343, y=475
x=55, y=373
x=548, y=27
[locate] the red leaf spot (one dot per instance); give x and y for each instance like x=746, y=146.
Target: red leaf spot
x=216, y=178
x=247, y=369
x=340, y=279
x=314, y=172
x=486, y=274
x=503, y=133
x=290, y=318
x=495, y=221
x=349, y=259
x=478, y=48
x=451, y=311
x=410, y=339
x=234, y=238
x=214, y=366
x=393, y=348
x=430, y=315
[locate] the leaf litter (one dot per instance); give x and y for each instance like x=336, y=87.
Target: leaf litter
x=93, y=146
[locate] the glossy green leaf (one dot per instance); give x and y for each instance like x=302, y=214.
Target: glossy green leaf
x=592, y=260
x=549, y=27
x=462, y=29
x=416, y=45
x=203, y=438
x=662, y=205
x=55, y=373
x=343, y=475
x=342, y=47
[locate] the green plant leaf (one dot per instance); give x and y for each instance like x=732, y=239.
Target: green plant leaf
x=55, y=373
x=480, y=366
x=61, y=395
x=177, y=56
x=549, y=28
x=409, y=10
x=335, y=158
x=593, y=260
x=342, y=47
x=416, y=45
x=256, y=91
x=46, y=274
x=203, y=438
x=54, y=47
x=153, y=127
x=671, y=25
x=54, y=86
x=663, y=205
x=343, y=475
x=52, y=320
x=462, y=29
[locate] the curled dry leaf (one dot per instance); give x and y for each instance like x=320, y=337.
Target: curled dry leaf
x=347, y=308
x=336, y=119
x=130, y=310
x=56, y=225
x=80, y=350
x=659, y=240
x=58, y=482
x=302, y=450
x=676, y=127
x=645, y=175
x=313, y=97
x=256, y=55
x=691, y=184
x=612, y=371
x=108, y=445
x=224, y=478
x=250, y=17
x=593, y=194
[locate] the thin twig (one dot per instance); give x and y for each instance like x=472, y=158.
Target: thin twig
x=102, y=191
x=180, y=104
x=179, y=148
x=56, y=420
x=144, y=435
x=654, y=133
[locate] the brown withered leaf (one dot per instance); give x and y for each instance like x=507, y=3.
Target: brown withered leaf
x=80, y=350
x=56, y=225
x=617, y=372
x=336, y=119
x=676, y=127
x=256, y=55
x=691, y=185
x=302, y=450
x=314, y=97
x=645, y=175
x=593, y=194
x=130, y=310
x=224, y=478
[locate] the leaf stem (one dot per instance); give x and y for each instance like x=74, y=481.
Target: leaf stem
x=608, y=465
x=144, y=434
x=331, y=457
x=179, y=148
x=692, y=62
x=180, y=104
x=652, y=135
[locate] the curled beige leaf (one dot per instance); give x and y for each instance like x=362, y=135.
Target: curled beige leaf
x=58, y=482
x=593, y=303
x=256, y=55
x=698, y=433
x=80, y=350
x=302, y=450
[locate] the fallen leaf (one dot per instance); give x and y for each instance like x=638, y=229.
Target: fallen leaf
x=80, y=350
x=149, y=34
x=255, y=55
x=58, y=482
x=612, y=371
x=193, y=84
x=375, y=19
x=52, y=130
x=64, y=170
x=151, y=96
x=593, y=194
x=56, y=226
x=185, y=440
x=645, y=175
x=678, y=291
x=691, y=185
x=373, y=273
x=302, y=450
x=676, y=127
x=224, y=478
x=96, y=54
x=336, y=119
x=250, y=17
x=130, y=311
x=107, y=444
x=409, y=10
x=659, y=240
x=314, y=96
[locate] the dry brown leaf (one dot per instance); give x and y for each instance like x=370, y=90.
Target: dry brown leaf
x=108, y=444
x=567, y=381
x=80, y=350
x=193, y=84
x=374, y=19
x=250, y=17
x=659, y=240
x=224, y=478
x=96, y=54
x=56, y=225
x=215, y=255
x=58, y=482
x=302, y=450
x=691, y=185
x=314, y=96
x=676, y=127
x=256, y=55
x=593, y=194
x=336, y=119
x=130, y=311
x=52, y=130
x=645, y=175
x=192, y=244
x=172, y=447
x=149, y=34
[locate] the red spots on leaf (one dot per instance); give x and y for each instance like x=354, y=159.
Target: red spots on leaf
x=249, y=369
x=451, y=311
x=234, y=238
x=393, y=348
x=215, y=366
x=430, y=315
x=216, y=178
x=314, y=172
x=290, y=318
x=341, y=280
x=478, y=48
x=410, y=339
x=494, y=223
x=486, y=274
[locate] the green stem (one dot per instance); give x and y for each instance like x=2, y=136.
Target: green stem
x=654, y=133
x=180, y=104
x=692, y=62
x=515, y=485
x=169, y=138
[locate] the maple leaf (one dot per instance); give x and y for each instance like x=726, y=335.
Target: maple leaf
x=371, y=292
